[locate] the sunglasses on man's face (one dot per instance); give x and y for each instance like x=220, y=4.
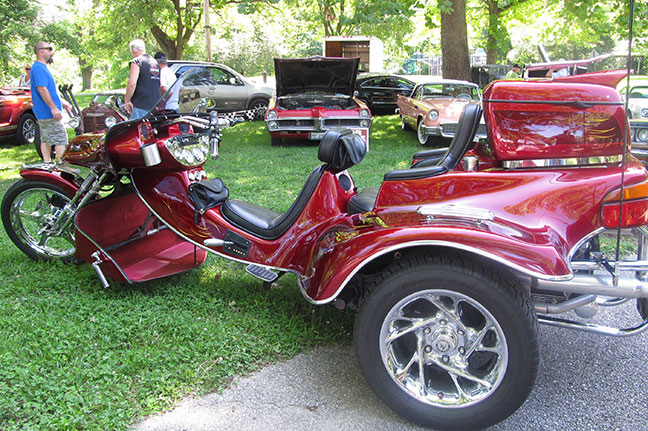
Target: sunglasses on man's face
x=49, y=48
x=27, y=68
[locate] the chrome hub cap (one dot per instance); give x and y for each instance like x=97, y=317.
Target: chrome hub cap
x=443, y=348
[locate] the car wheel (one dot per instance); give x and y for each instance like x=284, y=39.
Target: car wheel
x=275, y=142
x=259, y=106
x=31, y=212
x=447, y=342
x=423, y=138
x=404, y=125
x=28, y=131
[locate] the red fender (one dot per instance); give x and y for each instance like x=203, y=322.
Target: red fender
x=52, y=177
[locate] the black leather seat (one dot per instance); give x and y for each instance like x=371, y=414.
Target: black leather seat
x=462, y=141
x=362, y=202
x=338, y=151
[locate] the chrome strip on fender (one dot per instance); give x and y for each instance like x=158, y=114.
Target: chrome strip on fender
x=452, y=210
x=573, y=161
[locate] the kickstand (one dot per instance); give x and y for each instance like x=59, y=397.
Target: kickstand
x=268, y=284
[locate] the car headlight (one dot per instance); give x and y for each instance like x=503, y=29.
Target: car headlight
x=74, y=122
x=364, y=123
x=272, y=125
x=433, y=115
x=110, y=121
x=272, y=115
x=642, y=135
x=364, y=113
x=644, y=112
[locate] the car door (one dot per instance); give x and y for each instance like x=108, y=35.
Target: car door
x=393, y=86
x=406, y=105
x=229, y=93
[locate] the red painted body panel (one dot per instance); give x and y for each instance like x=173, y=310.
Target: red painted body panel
x=167, y=195
x=14, y=102
x=524, y=120
x=86, y=150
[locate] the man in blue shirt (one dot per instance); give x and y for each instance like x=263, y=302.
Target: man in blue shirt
x=47, y=104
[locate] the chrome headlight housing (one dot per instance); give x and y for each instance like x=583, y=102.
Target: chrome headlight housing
x=364, y=123
x=272, y=115
x=74, y=122
x=644, y=112
x=364, y=113
x=433, y=115
x=642, y=135
x=272, y=125
x=110, y=121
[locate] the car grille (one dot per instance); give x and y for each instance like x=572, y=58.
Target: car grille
x=94, y=118
x=314, y=124
x=449, y=130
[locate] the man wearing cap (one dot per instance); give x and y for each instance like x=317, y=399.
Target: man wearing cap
x=167, y=78
x=143, y=88
x=47, y=104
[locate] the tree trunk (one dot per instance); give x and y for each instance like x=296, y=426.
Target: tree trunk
x=86, y=74
x=493, y=27
x=454, y=42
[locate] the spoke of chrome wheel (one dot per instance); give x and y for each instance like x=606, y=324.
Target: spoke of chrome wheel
x=421, y=372
x=416, y=324
x=448, y=314
x=462, y=395
x=477, y=340
x=461, y=373
x=405, y=370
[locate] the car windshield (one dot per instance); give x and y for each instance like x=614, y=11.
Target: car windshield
x=638, y=93
x=445, y=91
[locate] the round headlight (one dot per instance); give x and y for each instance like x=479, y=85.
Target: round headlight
x=74, y=122
x=272, y=125
x=644, y=112
x=272, y=115
x=364, y=114
x=110, y=121
x=187, y=156
x=364, y=123
x=642, y=135
x=433, y=115
x=198, y=155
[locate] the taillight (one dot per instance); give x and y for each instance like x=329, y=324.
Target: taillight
x=635, y=207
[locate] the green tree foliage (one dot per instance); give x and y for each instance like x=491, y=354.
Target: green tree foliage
x=17, y=35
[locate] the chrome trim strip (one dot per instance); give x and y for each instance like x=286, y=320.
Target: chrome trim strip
x=431, y=243
x=455, y=211
x=580, y=243
x=566, y=162
x=225, y=256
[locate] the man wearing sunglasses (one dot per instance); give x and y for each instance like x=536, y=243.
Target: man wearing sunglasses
x=48, y=104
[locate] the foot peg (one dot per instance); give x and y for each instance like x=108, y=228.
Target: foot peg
x=262, y=273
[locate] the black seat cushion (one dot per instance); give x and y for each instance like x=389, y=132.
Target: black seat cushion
x=362, y=202
x=265, y=223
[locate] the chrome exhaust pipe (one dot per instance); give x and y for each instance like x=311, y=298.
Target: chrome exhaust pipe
x=593, y=284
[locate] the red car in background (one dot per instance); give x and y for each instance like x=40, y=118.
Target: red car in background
x=314, y=95
x=17, y=120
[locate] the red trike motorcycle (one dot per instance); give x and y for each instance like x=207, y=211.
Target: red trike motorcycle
x=452, y=263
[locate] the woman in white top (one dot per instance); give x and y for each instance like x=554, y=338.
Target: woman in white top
x=24, y=78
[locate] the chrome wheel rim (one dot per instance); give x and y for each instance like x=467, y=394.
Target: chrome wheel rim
x=422, y=136
x=259, y=109
x=443, y=348
x=33, y=215
x=29, y=130
x=403, y=124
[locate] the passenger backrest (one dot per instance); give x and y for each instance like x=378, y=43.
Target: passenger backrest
x=341, y=149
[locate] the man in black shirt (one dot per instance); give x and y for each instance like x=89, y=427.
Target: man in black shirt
x=143, y=88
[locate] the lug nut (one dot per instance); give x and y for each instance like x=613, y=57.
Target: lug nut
x=427, y=330
x=462, y=350
x=445, y=358
x=440, y=395
x=460, y=332
x=443, y=322
x=428, y=349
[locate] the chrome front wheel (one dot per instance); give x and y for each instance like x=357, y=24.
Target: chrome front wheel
x=35, y=217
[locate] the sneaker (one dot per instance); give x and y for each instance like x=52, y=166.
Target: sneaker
x=65, y=166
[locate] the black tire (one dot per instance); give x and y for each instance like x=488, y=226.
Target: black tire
x=275, y=142
x=457, y=297
x=29, y=210
x=28, y=131
x=260, y=106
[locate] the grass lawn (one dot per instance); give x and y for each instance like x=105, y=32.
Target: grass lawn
x=76, y=356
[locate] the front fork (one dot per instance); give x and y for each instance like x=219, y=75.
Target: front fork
x=89, y=188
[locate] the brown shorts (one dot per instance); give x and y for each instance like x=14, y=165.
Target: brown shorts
x=53, y=132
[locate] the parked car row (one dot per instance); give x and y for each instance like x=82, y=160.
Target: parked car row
x=17, y=120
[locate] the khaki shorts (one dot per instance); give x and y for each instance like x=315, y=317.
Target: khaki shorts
x=53, y=132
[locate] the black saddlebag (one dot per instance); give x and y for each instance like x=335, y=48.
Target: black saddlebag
x=207, y=194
